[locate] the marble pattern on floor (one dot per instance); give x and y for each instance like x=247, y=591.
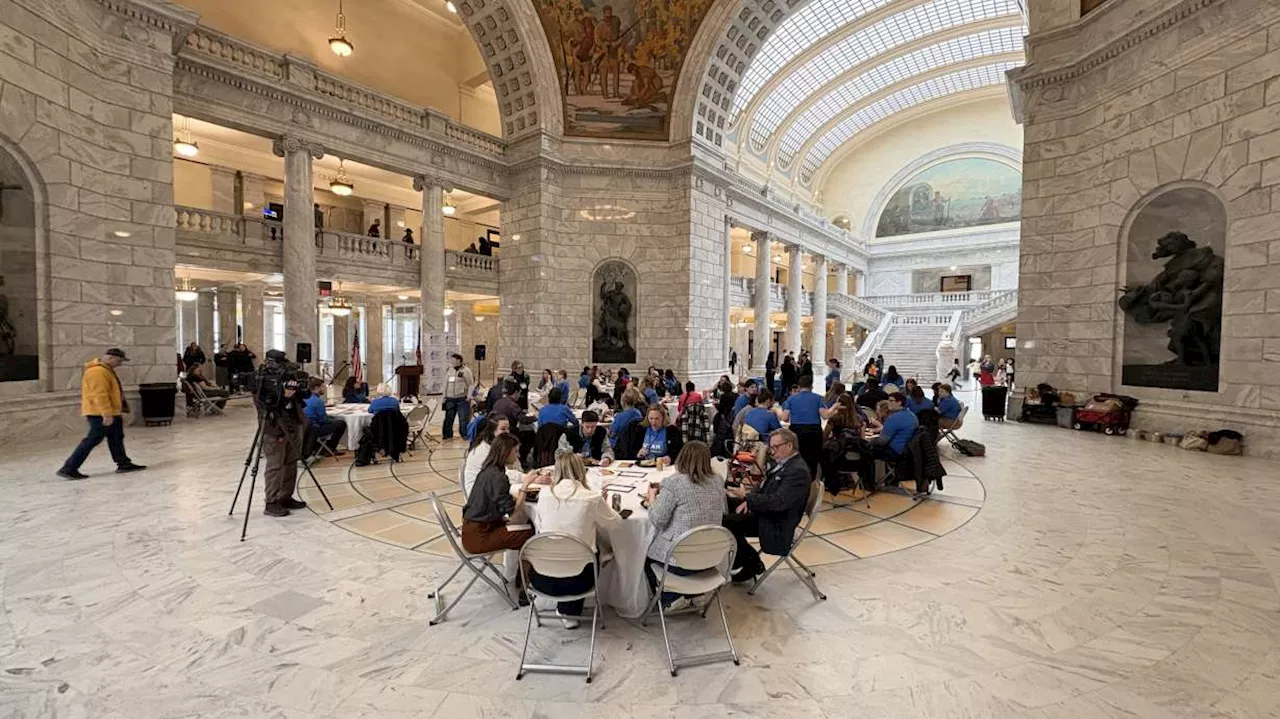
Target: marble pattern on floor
x=1100, y=578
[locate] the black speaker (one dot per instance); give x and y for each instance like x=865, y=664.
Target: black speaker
x=480, y=353
x=303, y=353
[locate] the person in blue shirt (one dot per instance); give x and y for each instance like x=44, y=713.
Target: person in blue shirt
x=562, y=383
x=948, y=408
x=803, y=409
x=584, y=379
x=672, y=384
x=761, y=417
x=661, y=438
x=916, y=400
x=891, y=377
x=833, y=372
x=556, y=411
x=355, y=392
x=326, y=431
x=386, y=402
x=632, y=400
x=650, y=393
x=897, y=431
x=748, y=394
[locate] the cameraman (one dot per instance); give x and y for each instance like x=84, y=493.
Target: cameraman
x=327, y=431
x=282, y=422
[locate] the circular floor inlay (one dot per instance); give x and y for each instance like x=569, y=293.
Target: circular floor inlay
x=388, y=503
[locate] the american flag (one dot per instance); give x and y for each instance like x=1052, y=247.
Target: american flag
x=357, y=370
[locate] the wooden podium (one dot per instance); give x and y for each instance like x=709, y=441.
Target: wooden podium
x=410, y=377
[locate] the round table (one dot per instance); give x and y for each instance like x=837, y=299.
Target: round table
x=358, y=419
x=622, y=582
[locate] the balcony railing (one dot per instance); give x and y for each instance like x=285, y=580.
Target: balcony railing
x=470, y=263
x=856, y=308
x=999, y=308
x=934, y=300
x=369, y=251
x=223, y=228
x=742, y=291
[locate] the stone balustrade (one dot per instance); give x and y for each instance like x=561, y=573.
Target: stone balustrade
x=998, y=309
x=934, y=300
x=370, y=251
x=471, y=263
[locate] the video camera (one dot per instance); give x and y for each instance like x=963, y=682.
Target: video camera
x=275, y=380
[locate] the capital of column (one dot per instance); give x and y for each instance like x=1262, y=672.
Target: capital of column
x=292, y=143
x=422, y=182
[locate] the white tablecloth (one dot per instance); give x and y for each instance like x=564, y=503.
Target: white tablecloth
x=622, y=582
x=358, y=419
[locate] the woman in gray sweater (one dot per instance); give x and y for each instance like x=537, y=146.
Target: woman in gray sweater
x=692, y=497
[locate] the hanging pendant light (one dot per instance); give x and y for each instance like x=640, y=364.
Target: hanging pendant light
x=448, y=207
x=339, y=306
x=341, y=184
x=448, y=5
x=186, y=292
x=339, y=43
x=184, y=144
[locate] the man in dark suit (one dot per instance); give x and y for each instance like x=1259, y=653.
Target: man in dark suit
x=773, y=510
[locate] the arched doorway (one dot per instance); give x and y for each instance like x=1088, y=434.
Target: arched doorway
x=19, y=324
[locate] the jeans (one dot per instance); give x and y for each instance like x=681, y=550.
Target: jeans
x=98, y=432
x=455, y=406
x=566, y=585
x=331, y=433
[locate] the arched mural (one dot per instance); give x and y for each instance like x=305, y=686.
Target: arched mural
x=618, y=62
x=965, y=192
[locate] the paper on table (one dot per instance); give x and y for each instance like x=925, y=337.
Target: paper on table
x=633, y=474
x=620, y=488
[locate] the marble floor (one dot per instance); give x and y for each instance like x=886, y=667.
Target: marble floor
x=1070, y=575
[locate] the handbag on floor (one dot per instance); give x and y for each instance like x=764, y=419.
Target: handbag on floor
x=970, y=448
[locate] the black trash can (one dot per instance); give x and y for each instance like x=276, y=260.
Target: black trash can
x=158, y=402
x=994, y=399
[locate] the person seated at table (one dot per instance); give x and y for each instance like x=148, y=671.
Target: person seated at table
x=495, y=392
x=833, y=393
x=556, y=411
x=592, y=441
x=491, y=428
x=691, y=394
x=384, y=402
x=547, y=381
x=948, y=407
x=891, y=377
x=748, y=394
x=842, y=438
x=649, y=387
x=723, y=387
x=896, y=430
x=196, y=376
x=670, y=382
x=937, y=387
x=355, y=392
x=661, y=438
x=871, y=394
x=562, y=383
x=547, y=441
x=916, y=400
x=692, y=497
x=490, y=505
x=722, y=425
x=632, y=402
x=569, y=506
x=509, y=405
x=761, y=417
x=771, y=511
x=328, y=432
x=602, y=406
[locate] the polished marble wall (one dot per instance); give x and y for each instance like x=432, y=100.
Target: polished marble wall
x=1188, y=100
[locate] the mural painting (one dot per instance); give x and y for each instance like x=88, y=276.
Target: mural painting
x=957, y=193
x=618, y=62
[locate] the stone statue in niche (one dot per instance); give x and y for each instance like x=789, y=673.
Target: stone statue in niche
x=8, y=335
x=612, y=341
x=1187, y=296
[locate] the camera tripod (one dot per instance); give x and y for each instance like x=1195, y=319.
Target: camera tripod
x=251, y=463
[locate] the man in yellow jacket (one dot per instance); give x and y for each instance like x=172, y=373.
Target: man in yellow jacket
x=102, y=404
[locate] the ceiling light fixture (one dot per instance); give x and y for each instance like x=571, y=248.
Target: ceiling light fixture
x=115, y=313
x=186, y=292
x=341, y=184
x=339, y=43
x=122, y=233
x=339, y=306
x=448, y=5
x=448, y=309
x=184, y=144
x=448, y=207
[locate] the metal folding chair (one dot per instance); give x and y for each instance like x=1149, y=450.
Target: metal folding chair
x=423, y=414
x=198, y=403
x=479, y=564
x=805, y=574
x=707, y=550
x=556, y=554
x=950, y=434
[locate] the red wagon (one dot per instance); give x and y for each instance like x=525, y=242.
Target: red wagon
x=1108, y=413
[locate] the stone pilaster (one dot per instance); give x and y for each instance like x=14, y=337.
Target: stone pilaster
x=432, y=254
x=818, y=346
x=842, y=324
x=299, y=242
x=253, y=194
x=373, y=309
x=224, y=190
x=860, y=284
x=251, y=310
x=795, y=293
x=205, y=319
x=342, y=344
x=189, y=324
x=763, y=333
x=227, y=316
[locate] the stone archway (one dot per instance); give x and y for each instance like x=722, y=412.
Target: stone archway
x=20, y=264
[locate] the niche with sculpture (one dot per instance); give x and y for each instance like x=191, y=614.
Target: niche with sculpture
x=19, y=341
x=613, y=314
x=1172, y=298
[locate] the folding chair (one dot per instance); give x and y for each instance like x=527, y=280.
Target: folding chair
x=556, y=554
x=811, y=512
x=417, y=419
x=198, y=403
x=477, y=563
x=707, y=550
x=312, y=451
x=950, y=434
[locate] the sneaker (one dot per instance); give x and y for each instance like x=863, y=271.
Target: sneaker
x=71, y=474
x=292, y=503
x=130, y=467
x=678, y=604
x=569, y=622
x=522, y=599
x=275, y=509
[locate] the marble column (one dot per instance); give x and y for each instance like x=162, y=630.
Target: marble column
x=227, y=316
x=795, y=294
x=189, y=332
x=860, y=286
x=818, y=341
x=205, y=317
x=842, y=324
x=300, y=314
x=342, y=344
x=726, y=280
x=251, y=310
x=763, y=333
x=431, y=254
x=373, y=309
